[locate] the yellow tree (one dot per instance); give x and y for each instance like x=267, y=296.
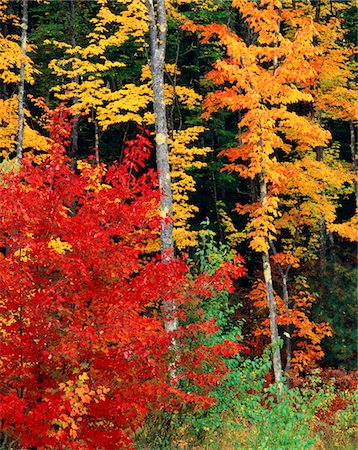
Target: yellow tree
x=336, y=99
x=86, y=72
x=16, y=68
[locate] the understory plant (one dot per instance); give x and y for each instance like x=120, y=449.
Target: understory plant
x=246, y=412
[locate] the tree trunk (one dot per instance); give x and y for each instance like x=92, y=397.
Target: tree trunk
x=286, y=300
x=276, y=354
x=21, y=94
x=74, y=131
x=354, y=159
x=317, y=6
x=322, y=223
x=96, y=139
x=216, y=206
x=158, y=35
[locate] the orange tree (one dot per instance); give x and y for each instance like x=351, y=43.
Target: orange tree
x=269, y=78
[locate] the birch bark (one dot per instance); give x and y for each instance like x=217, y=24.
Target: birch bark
x=76, y=79
x=266, y=266
x=158, y=38
x=276, y=353
x=21, y=92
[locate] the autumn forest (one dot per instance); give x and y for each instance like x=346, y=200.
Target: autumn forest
x=178, y=224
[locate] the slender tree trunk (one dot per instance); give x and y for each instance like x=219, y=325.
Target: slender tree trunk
x=319, y=157
x=215, y=200
x=317, y=4
x=277, y=363
x=76, y=79
x=322, y=246
x=96, y=139
x=286, y=300
x=332, y=248
x=322, y=223
x=158, y=36
x=353, y=146
x=175, y=103
x=21, y=93
x=276, y=354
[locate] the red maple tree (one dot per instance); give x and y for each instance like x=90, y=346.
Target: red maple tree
x=84, y=352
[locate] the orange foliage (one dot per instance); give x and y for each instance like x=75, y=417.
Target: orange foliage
x=306, y=335
x=277, y=81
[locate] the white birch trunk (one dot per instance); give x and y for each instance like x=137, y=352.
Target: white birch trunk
x=276, y=354
x=158, y=36
x=21, y=92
